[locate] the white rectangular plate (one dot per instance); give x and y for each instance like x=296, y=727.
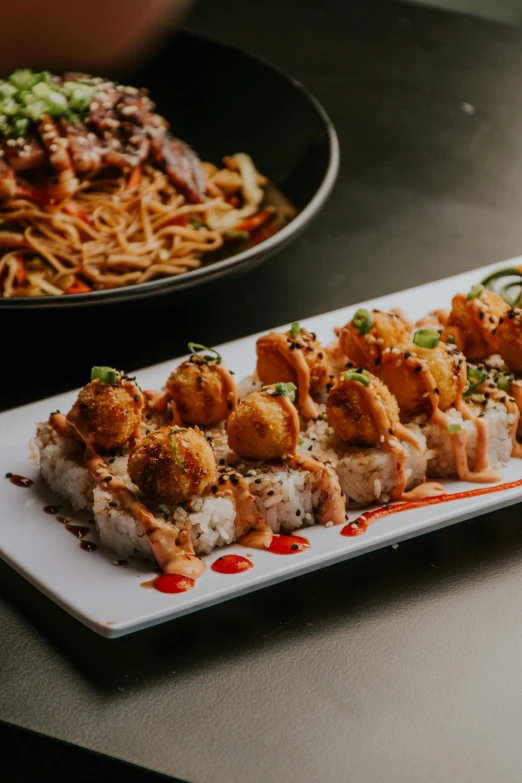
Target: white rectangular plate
x=110, y=599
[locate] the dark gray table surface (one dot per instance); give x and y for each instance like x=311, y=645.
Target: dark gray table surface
x=402, y=665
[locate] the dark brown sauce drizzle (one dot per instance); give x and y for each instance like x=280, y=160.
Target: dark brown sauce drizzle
x=63, y=520
x=19, y=481
x=122, y=563
x=78, y=530
x=51, y=509
x=88, y=546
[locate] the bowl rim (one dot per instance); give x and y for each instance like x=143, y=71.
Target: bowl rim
x=267, y=246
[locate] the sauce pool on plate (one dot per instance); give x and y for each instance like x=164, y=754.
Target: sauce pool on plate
x=231, y=564
x=19, y=481
x=171, y=583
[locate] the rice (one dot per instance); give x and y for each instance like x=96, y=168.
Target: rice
x=60, y=457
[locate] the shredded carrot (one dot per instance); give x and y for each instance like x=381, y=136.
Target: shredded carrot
x=33, y=194
x=255, y=221
x=73, y=209
x=78, y=287
x=134, y=178
x=180, y=220
x=20, y=274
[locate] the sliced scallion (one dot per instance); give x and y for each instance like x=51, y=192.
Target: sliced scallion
x=286, y=390
x=452, y=428
x=300, y=441
x=195, y=349
x=450, y=339
x=233, y=233
x=295, y=330
x=363, y=377
x=362, y=321
x=504, y=381
x=104, y=374
x=426, y=338
x=475, y=291
x=175, y=447
x=475, y=378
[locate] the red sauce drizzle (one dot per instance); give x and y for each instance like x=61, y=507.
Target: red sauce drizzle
x=88, y=546
x=231, y=564
x=288, y=545
x=19, y=481
x=51, y=509
x=366, y=519
x=171, y=583
x=78, y=530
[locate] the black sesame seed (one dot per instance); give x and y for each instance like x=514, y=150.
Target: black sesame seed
x=390, y=431
x=148, y=416
x=83, y=405
x=270, y=492
x=113, y=503
x=107, y=479
x=377, y=362
x=136, y=398
x=8, y=475
x=418, y=368
x=214, y=488
x=294, y=547
x=298, y=513
x=222, y=479
x=501, y=320
x=221, y=461
x=436, y=391
x=494, y=331
x=230, y=405
x=258, y=481
x=310, y=447
x=407, y=355
x=320, y=355
x=111, y=460
x=481, y=315
x=199, y=379
x=234, y=479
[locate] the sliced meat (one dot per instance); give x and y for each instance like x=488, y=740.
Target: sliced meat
x=24, y=153
x=85, y=149
x=182, y=165
x=7, y=181
x=59, y=158
x=132, y=149
x=136, y=107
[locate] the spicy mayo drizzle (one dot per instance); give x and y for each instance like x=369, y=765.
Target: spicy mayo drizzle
x=295, y=358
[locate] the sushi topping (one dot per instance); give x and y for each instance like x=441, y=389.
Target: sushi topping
x=362, y=321
x=475, y=291
x=453, y=428
x=504, y=381
x=175, y=447
x=295, y=330
x=361, y=376
x=104, y=374
x=475, y=378
x=195, y=349
x=426, y=338
x=285, y=390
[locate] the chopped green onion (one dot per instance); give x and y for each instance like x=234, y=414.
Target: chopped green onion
x=504, y=381
x=294, y=330
x=233, y=233
x=300, y=441
x=426, y=338
x=475, y=378
x=286, y=390
x=450, y=339
x=362, y=321
x=197, y=223
x=475, y=291
x=195, y=347
x=363, y=377
x=454, y=428
x=104, y=374
x=175, y=447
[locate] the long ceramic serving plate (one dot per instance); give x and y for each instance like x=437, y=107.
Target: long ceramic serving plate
x=111, y=600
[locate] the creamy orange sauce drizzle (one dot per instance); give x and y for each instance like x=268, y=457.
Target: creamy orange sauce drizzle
x=486, y=328
x=332, y=507
x=514, y=407
x=159, y=402
x=482, y=472
x=247, y=516
x=279, y=342
x=173, y=550
x=229, y=384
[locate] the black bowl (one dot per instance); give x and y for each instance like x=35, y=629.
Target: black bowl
x=221, y=100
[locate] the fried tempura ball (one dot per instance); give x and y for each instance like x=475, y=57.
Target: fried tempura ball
x=263, y=426
x=204, y=393
x=365, y=348
x=403, y=373
x=172, y=464
x=473, y=323
x=274, y=364
x=509, y=335
x=112, y=414
x=349, y=408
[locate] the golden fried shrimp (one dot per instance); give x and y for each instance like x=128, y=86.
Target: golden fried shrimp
x=203, y=391
x=352, y=412
x=473, y=322
x=509, y=335
x=423, y=378
x=107, y=414
x=367, y=335
x=265, y=424
x=172, y=464
x=295, y=357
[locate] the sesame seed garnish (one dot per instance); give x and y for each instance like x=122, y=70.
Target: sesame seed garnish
x=107, y=479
